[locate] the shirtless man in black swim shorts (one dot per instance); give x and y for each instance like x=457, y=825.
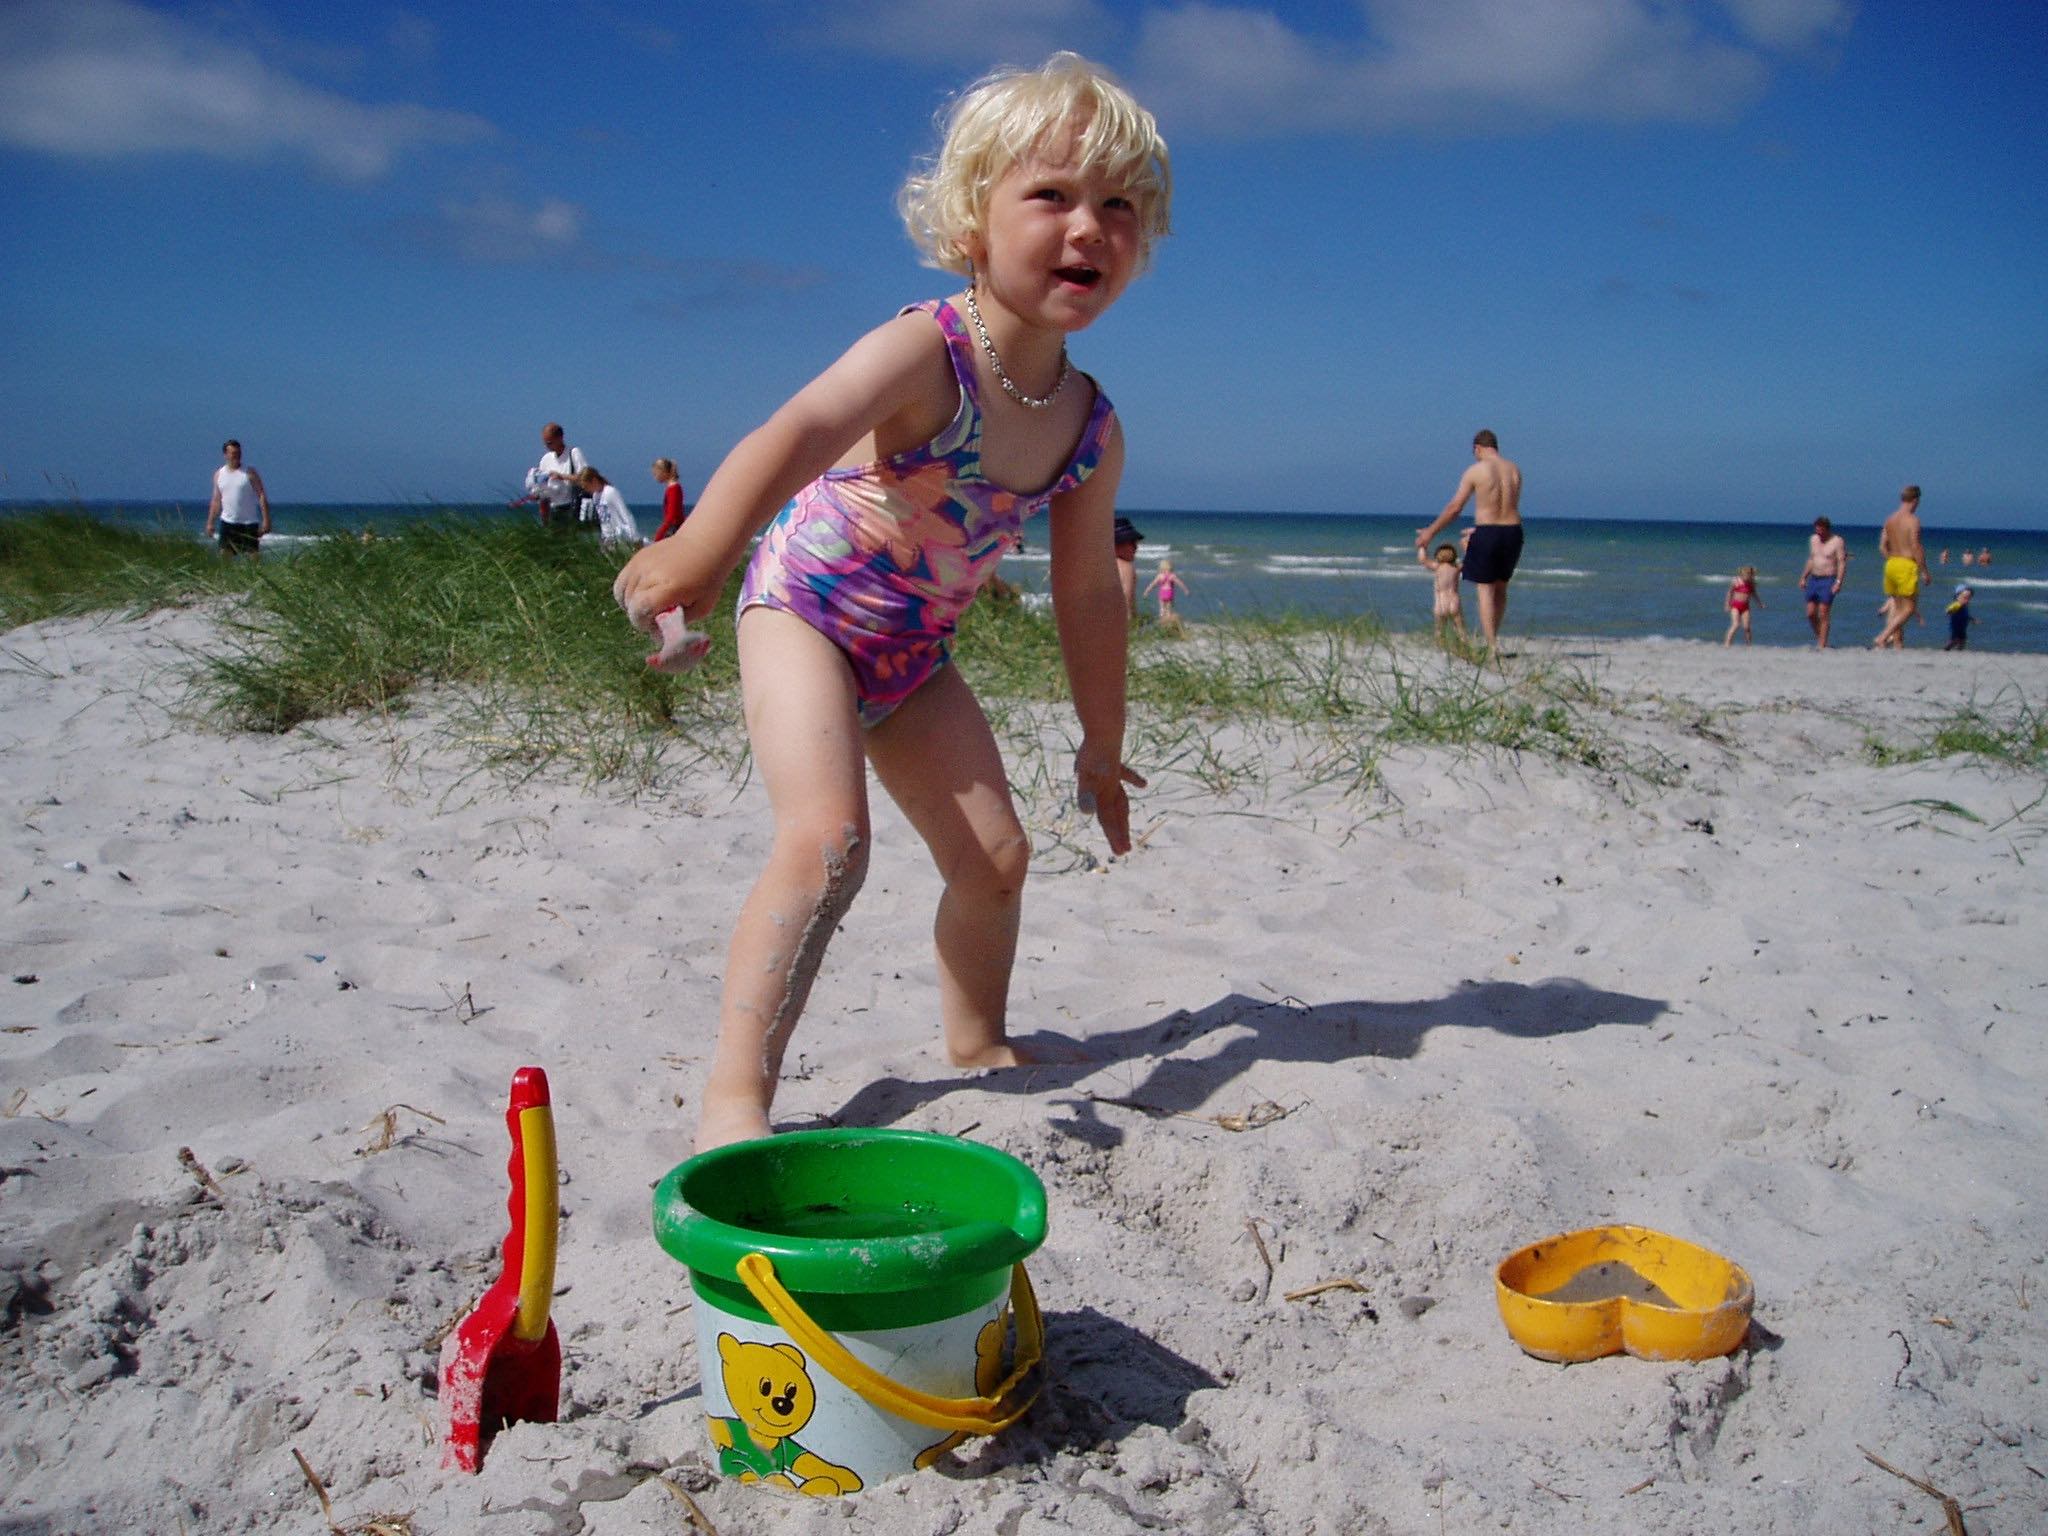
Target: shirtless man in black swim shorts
x=1494, y=487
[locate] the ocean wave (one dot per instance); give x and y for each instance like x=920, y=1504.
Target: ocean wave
x=1980, y=583
x=1351, y=569
x=1563, y=572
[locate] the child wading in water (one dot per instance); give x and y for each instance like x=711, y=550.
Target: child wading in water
x=1742, y=596
x=1169, y=587
x=1959, y=620
x=1450, y=600
x=895, y=481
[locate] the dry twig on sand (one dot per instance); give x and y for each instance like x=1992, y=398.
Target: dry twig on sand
x=1949, y=1506
x=376, y=1525
x=1258, y=1116
x=1342, y=1283
x=697, y=1516
x=1259, y=1242
x=319, y=1488
x=385, y=1123
x=198, y=1171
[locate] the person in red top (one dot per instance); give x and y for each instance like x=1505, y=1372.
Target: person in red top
x=672, y=513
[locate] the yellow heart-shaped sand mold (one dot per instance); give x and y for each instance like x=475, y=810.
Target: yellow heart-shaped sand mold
x=1581, y=1295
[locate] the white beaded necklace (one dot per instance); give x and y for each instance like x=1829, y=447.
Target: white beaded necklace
x=1009, y=387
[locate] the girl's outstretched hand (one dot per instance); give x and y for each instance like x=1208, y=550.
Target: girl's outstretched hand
x=1099, y=780
x=663, y=576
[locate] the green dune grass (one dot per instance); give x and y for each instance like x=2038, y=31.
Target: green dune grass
x=516, y=630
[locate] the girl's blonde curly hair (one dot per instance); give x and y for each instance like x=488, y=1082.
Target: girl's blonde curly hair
x=1009, y=116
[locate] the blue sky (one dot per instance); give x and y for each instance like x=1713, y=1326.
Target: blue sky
x=1750, y=259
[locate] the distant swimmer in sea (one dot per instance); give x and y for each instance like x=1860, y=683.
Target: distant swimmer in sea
x=240, y=506
x=1494, y=487
x=1742, y=596
x=1448, y=599
x=1905, y=568
x=1169, y=587
x=1820, y=579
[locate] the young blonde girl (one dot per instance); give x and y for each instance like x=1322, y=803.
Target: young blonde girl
x=1742, y=596
x=889, y=486
x=672, y=513
x=615, y=523
x=1169, y=586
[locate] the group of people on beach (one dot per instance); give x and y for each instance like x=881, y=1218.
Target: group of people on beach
x=572, y=494
x=1905, y=576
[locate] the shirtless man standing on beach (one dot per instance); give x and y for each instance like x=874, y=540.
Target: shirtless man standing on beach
x=1827, y=564
x=1494, y=486
x=1905, y=568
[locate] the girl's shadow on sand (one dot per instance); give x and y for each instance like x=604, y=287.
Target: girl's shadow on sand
x=1263, y=1032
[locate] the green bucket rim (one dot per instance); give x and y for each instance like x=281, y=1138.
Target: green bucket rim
x=829, y=1266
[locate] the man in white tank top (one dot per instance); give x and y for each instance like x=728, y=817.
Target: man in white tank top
x=240, y=505
x=559, y=475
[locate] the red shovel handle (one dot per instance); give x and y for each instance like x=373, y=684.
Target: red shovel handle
x=534, y=1205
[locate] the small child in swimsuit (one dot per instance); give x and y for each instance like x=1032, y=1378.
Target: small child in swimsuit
x=1450, y=597
x=1959, y=620
x=885, y=492
x=1742, y=596
x=1169, y=587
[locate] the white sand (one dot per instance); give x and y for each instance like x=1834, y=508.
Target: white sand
x=1790, y=1009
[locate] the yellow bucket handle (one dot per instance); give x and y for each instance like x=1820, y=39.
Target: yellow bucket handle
x=963, y=1415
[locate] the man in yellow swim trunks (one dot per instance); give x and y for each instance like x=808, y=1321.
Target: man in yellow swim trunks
x=1905, y=568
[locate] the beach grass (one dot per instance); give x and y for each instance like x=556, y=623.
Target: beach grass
x=2009, y=728
x=515, y=626
x=59, y=563
x=1335, y=695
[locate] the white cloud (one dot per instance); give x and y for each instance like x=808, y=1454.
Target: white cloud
x=1468, y=66
x=106, y=78
x=982, y=33
x=1793, y=25
x=491, y=229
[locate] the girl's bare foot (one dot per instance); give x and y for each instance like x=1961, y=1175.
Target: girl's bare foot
x=1041, y=1050
x=722, y=1125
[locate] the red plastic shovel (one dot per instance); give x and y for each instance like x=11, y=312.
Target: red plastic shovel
x=504, y=1364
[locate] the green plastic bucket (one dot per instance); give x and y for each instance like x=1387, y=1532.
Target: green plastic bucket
x=853, y=1290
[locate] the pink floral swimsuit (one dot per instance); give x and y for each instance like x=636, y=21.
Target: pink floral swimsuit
x=884, y=558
